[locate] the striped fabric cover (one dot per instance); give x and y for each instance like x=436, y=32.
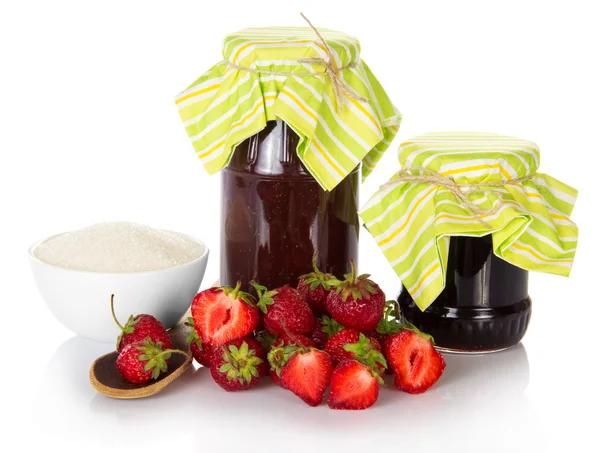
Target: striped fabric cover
x=412, y=223
x=226, y=105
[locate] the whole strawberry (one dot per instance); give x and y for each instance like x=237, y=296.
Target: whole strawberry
x=307, y=374
x=140, y=362
x=324, y=329
x=138, y=328
x=199, y=351
x=224, y=314
x=284, y=310
x=356, y=302
x=413, y=359
x=352, y=344
x=238, y=364
x=315, y=287
x=354, y=386
x=280, y=351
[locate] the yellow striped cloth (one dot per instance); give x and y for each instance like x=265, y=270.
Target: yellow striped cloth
x=226, y=105
x=412, y=222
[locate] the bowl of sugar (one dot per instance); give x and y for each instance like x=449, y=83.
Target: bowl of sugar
x=150, y=271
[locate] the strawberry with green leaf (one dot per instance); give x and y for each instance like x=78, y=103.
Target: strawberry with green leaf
x=238, y=364
x=143, y=361
x=324, y=329
x=315, y=287
x=284, y=310
x=356, y=302
x=138, y=328
x=280, y=352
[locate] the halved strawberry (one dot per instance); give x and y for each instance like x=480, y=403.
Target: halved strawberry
x=224, y=314
x=280, y=352
x=354, y=386
x=389, y=325
x=307, y=374
x=413, y=359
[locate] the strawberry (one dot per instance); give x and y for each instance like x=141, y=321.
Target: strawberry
x=285, y=310
x=354, y=386
x=315, y=287
x=280, y=353
x=414, y=360
x=199, y=352
x=352, y=344
x=307, y=374
x=324, y=329
x=138, y=328
x=356, y=302
x=140, y=362
x=388, y=326
x=238, y=364
x=224, y=314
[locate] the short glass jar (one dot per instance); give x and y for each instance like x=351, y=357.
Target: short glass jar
x=485, y=305
x=275, y=215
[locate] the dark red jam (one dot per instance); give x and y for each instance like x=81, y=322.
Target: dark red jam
x=485, y=305
x=275, y=215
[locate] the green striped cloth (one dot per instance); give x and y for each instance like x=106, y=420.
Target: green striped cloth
x=227, y=105
x=412, y=222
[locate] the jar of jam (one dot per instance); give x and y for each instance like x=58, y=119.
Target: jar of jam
x=485, y=305
x=462, y=224
x=275, y=215
x=292, y=117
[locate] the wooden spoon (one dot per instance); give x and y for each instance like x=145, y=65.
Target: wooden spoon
x=107, y=380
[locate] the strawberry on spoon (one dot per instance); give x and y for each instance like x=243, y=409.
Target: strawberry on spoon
x=138, y=328
x=140, y=362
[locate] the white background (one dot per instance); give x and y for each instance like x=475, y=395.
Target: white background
x=89, y=132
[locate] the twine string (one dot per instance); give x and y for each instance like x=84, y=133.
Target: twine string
x=460, y=191
x=332, y=72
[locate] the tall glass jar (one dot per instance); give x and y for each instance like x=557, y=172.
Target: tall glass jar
x=275, y=215
x=485, y=305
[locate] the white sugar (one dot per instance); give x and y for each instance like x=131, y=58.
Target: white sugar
x=118, y=247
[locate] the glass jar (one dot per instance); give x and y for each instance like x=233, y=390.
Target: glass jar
x=484, y=306
x=275, y=215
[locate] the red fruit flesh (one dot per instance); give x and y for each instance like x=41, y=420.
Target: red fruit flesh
x=287, y=311
x=219, y=317
x=307, y=375
x=353, y=386
x=335, y=345
x=414, y=361
x=244, y=369
x=357, y=302
x=277, y=358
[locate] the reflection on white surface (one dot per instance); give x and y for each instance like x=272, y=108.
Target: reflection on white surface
x=194, y=407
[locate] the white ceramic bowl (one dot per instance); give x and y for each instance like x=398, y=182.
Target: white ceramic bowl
x=81, y=300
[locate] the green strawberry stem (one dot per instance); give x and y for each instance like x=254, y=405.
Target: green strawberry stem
x=352, y=278
x=112, y=310
x=316, y=269
x=233, y=293
x=171, y=351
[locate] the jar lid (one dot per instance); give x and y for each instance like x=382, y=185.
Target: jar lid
x=314, y=80
x=470, y=184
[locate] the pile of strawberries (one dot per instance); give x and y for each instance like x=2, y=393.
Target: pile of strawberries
x=326, y=332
